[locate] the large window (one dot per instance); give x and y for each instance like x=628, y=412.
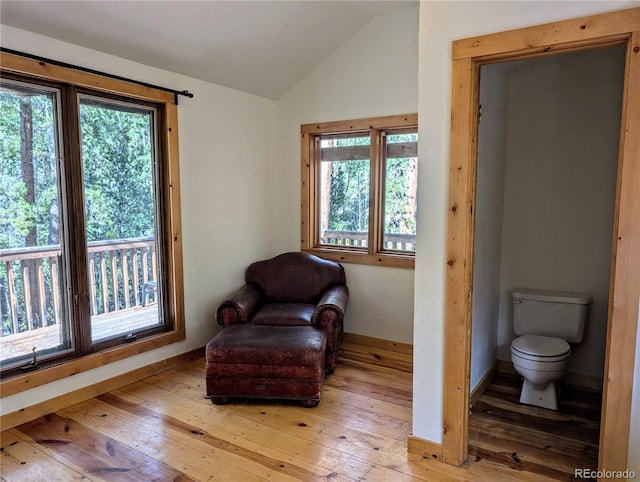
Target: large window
x=359, y=183
x=89, y=224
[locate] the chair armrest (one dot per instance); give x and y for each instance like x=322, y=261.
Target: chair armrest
x=335, y=300
x=239, y=306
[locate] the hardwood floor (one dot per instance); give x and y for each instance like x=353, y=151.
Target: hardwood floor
x=534, y=439
x=162, y=428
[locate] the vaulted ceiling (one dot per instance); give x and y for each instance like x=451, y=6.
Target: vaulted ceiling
x=261, y=47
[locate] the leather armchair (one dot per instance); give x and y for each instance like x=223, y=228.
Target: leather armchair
x=292, y=289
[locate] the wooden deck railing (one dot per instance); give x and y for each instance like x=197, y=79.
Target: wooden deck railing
x=399, y=242
x=31, y=281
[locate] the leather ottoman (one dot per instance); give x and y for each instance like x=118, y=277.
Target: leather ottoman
x=269, y=362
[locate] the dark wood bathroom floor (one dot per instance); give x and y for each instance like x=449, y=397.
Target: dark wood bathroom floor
x=533, y=439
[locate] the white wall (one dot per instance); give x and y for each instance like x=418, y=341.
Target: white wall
x=440, y=24
x=227, y=145
x=562, y=154
x=240, y=178
x=374, y=73
x=492, y=133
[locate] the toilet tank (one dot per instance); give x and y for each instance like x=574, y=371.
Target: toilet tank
x=550, y=313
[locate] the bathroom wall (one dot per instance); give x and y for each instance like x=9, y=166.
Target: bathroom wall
x=492, y=133
x=561, y=162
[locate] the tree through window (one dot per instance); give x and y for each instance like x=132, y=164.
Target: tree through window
x=359, y=190
x=87, y=261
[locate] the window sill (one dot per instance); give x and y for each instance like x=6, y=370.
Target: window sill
x=388, y=259
x=27, y=381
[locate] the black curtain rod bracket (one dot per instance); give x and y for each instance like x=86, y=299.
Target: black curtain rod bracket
x=58, y=63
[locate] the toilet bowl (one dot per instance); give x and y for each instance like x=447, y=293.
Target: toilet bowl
x=541, y=361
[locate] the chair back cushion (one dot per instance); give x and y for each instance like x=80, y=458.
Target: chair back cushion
x=295, y=277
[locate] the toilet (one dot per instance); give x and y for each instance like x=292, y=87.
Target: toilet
x=545, y=322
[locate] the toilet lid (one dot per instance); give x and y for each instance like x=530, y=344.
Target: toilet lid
x=540, y=345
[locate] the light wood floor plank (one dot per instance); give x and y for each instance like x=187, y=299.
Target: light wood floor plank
x=351, y=401
x=97, y=454
x=200, y=457
x=253, y=436
x=23, y=461
x=251, y=443
x=532, y=439
x=391, y=421
x=163, y=428
x=377, y=356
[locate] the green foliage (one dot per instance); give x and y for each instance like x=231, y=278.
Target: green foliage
x=349, y=189
x=117, y=169
x=117, y=164
x=400, y=189
x=349, y=209
x=17, y=216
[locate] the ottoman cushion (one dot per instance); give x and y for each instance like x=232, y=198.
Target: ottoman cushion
x=259, y=361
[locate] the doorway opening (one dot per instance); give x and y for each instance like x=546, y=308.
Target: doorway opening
x=615, y=28
x=548, y=142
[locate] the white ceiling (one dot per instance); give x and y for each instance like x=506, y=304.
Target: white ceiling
x=261, y=47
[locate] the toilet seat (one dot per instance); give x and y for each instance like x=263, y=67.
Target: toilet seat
x=540, y=348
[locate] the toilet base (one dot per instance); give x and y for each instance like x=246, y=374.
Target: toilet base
x=539, y=396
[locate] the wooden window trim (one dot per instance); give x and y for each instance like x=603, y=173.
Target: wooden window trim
x=168, y=120
x=374, y=255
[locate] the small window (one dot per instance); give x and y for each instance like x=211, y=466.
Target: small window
x=359, y=186
x=345, y=180
x=400, y=191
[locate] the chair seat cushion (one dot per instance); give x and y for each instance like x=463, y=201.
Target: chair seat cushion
x=284, y=314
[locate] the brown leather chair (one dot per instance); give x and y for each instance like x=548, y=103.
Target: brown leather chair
x=292, y=289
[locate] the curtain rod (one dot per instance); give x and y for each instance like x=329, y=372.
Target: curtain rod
x=176, y=93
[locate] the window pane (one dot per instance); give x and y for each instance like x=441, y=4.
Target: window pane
x=118, y=150
x=344, y=190
x=401, y=183
x=32, y=307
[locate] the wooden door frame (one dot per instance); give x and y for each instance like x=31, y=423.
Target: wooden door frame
x=619, y=27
